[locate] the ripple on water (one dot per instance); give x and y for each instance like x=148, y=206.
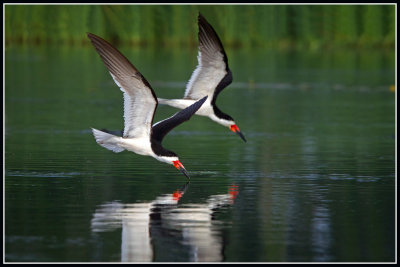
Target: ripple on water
x=42, y=174
x=359, y=178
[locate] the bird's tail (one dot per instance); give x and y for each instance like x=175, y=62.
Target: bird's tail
x=164, y=101
x=176, y=103
x=107, y=140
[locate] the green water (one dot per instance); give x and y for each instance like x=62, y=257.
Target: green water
x=314, y=182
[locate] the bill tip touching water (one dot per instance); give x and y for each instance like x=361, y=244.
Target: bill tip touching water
x=140, y=135
x=210, y=77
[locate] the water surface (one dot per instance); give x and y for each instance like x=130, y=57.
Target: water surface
x=314, y=182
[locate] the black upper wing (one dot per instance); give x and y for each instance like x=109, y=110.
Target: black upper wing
x=161, y=128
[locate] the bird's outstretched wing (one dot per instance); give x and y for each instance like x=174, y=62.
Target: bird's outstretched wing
x=161, y=128
x=212, y=73
x=140, y=100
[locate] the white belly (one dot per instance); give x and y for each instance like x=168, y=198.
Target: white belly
x=141, y=146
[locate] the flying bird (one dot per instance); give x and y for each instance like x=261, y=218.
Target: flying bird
x=140, y=135
x=210, y=77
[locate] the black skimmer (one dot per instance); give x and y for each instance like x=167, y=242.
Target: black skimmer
x=140, y=103
x=210, y=77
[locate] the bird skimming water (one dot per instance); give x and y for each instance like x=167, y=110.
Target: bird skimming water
x=140, y=103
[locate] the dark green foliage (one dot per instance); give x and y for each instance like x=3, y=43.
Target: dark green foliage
x=282, y=26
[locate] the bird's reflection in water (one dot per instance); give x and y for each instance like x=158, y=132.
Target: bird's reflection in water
x=145, y=225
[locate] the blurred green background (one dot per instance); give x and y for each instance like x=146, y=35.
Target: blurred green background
x=277, y=26
x=313, y=92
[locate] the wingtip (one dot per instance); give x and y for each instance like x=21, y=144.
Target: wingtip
x=94, y=37
x=197, y=105
x=200, y=102
x=203, y=99
x=201, y=19
x=90, y=35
